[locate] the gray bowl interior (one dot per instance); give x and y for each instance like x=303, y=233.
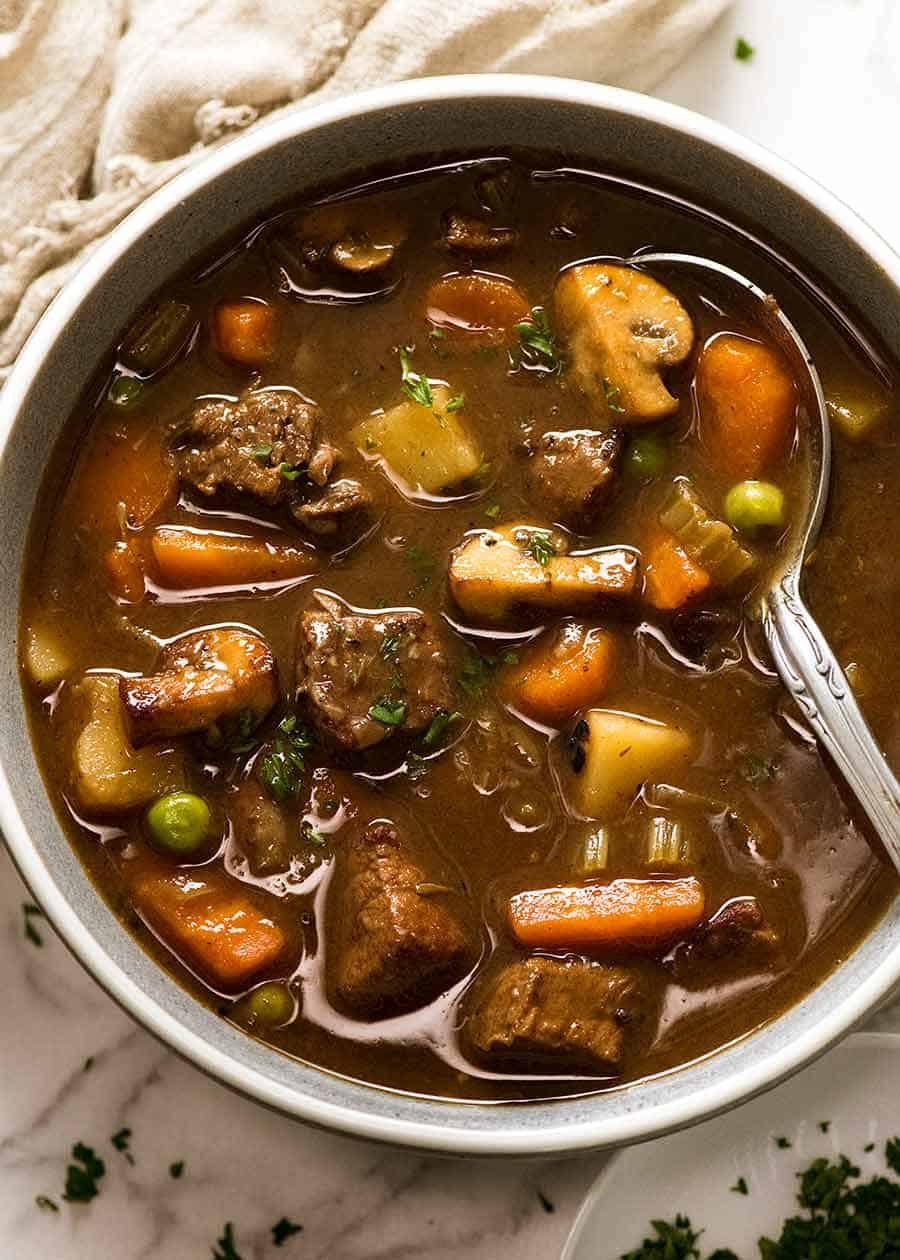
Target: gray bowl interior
x=338, y=151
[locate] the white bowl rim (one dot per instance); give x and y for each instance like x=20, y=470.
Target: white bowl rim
x=434, y=1134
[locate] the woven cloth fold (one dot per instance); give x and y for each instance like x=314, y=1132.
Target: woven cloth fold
x=102, y=101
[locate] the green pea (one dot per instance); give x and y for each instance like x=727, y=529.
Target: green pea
x=752, y=504
x=271, y=1004
x=125, y=391
x=646, y=458
x=179, y=823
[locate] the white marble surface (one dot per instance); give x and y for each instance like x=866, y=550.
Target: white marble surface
x=824, y=90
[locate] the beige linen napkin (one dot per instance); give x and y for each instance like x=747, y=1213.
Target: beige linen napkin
x=102, y=101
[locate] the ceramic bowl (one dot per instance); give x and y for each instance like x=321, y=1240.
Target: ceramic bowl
x=333, y=144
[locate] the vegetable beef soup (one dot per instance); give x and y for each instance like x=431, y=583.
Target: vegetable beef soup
x=389, y=633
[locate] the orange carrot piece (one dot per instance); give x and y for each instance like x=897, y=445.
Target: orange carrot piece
x=126, y=469
x=125, y=570
x=224, y=933
x=564, y=672
x=747, y=402
x=476, y=307
x=185, y=558
x=671, y=577
x=626, y=913
x=244, y=331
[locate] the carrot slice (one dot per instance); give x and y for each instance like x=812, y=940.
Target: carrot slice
x=125, y=570
x=476, y=307
x=125, y=469
x=244, y=331
x=185, y=558
x=222, y=932
x=671, y=577
x=747, y=402
x=635, y=913
x=565, y=672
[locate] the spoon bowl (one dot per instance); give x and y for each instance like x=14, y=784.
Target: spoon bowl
x=802, y=655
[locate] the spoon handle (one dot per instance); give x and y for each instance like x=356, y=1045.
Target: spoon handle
x=810, y=671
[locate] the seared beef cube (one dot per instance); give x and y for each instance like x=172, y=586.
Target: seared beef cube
x=365, y=676
x=464, y=234
x=575, y=1012
x=738, y=926
x=247, y=447
x=335, y=506
x=572, y=475
x=261, y=829
x=398, y=943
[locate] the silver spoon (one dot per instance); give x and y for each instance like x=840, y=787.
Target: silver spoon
x=807, y=665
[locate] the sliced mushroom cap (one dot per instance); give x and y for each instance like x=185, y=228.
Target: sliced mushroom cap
x=624, y=328
x=497, y=570
x=464, y=234
x=201, y=678
x=354, y=236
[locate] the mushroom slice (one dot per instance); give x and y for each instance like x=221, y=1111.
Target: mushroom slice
x=464, y=234
x=525, y=566
x=201, y=678
x=624, y=328
x=352, y=236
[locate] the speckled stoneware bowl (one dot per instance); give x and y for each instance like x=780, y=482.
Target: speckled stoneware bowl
x=598, y=127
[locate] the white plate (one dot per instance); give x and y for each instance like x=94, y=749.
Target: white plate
x=856, y=1088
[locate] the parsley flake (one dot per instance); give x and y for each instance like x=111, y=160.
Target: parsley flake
x=415, y=386
x=311, y=834
x=289, y=473
x=493, y=511
x=225, y=1248
x=388, y=712
x=423, y=565
x=438, y=727
x=740, y=1186
x=30, y=912
x=613, y=396
x=783, y=1143
x=537, y=343
x=121, y=1141
x=758, y=770
x=283, y=1230
x=541, y=547
x=456, y=403
x=261, y=453
x=284, y=764
x=176, y=1169
x=83, y=1175
x=45, y=1203
x=742, y=50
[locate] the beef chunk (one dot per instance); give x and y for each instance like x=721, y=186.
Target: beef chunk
x=572, y=474
x=464, y=234
x=365, y=676
x=697, y=631
x=395, y=948
x=261, y=828
x=336, y=504
x=575, y=1012
x=738, y=926
x=245, y=447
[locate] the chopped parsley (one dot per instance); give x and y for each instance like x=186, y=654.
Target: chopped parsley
x=477, y=671
x=289, y=473
x=176, y=1170
x=672, y=1240
x=740, y=1186
x=758, y=770
x=742, y=50
x=493, y=511
x=415, y=386
x=283, y=766
x=45, y=1203
x=547, y=1204
x=88, y=1063
x=390, y=646
x=456, y=403
x=311, y=834
x=416, y=766
x=121, y=1142
x=428, y=889
x=423, y=565
x=613, y=395
x=541, y=547
x=824, y=1126
x=30, y=912
x=245, y=738
x=537, y=343
x=892, y=1154
x=224, y=1248
x=283, y=1230
x=261, y=453
x=83, y=1175
x=388, y=712
x=783, y=1143
x=438, y=727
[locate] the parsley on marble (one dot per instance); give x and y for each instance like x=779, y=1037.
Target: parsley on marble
x=176, y=1170
x=783, y=1143
x=83, y=1175
x=225, y=1248
x=740, y=1186
x=31, y=912
x=45, y=1203
x=283, y=1230
x=742, y=50
x=121, y=1142
x=547, y=1204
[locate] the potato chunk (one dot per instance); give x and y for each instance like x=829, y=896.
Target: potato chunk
x=46, y=657
x=624, y=328
x=108, y=773
x=496, y=570
x=424, y=448
x=615, y=753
